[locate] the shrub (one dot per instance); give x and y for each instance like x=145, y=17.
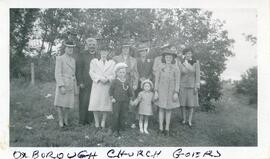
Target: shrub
x=248, y=85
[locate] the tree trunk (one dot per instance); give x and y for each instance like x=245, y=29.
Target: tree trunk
x=32, y=73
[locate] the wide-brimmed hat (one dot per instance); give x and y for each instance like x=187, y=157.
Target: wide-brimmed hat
x=69, y=44
x=120, y=66
x=147, y=81
x=170, y=51
x=166, y=46
x=126, y=43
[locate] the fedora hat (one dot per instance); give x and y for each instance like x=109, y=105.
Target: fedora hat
x=142, y=47
x=69, y=44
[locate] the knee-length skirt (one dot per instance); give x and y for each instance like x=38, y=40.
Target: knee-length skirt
x=188, y=97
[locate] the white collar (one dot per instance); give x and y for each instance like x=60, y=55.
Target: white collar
x=91, y=53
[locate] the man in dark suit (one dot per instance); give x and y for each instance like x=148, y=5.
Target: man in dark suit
x=84, y=80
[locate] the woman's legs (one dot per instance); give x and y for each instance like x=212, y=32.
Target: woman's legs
x=66, y=113
x=191, y=110
x=146, y=124
x=168, y=119
x=161, y=118
x=183, y=110
x=96, y=116
x=60, y=116
x=104, y=116
x=141, y=123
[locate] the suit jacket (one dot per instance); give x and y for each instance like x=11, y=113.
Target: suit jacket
x=132, y=72
x=145, y=68
x=190, y=75
x=83, y=67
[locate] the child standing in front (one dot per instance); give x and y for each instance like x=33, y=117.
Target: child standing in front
x=121, y=94
x=145, y=99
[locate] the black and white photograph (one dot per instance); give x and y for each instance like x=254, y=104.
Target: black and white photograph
x=133, y=77
x=155, y=79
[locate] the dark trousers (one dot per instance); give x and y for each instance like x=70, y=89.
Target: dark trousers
x=120, y=109
x=85, y=117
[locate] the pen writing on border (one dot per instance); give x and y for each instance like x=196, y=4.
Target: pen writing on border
x=116, y=153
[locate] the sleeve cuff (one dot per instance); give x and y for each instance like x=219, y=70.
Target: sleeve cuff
x=60, y=84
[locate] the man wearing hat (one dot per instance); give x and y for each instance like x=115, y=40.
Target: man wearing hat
x=144, y=64
x=71, y=36
x=132, y=72
x=84, y=80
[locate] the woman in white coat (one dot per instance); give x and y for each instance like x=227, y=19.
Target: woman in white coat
x=102, y=74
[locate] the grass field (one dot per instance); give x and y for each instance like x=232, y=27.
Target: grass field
x=234, y=123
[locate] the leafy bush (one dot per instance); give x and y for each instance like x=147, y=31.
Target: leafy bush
x=248, y=85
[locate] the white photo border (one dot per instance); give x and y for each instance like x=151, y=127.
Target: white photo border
x=261, y=151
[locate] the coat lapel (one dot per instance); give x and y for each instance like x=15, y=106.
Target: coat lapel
x=103, y=67
x=107, y=65
x=100, y=65
x=188, y=66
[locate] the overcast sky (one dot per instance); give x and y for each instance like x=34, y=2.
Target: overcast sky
x=239, y=21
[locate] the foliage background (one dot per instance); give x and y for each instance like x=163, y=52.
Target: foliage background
x=36, y=35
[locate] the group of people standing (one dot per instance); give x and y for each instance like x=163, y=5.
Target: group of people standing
x=125, y=85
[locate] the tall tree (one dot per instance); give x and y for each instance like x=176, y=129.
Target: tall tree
x=21, y=24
